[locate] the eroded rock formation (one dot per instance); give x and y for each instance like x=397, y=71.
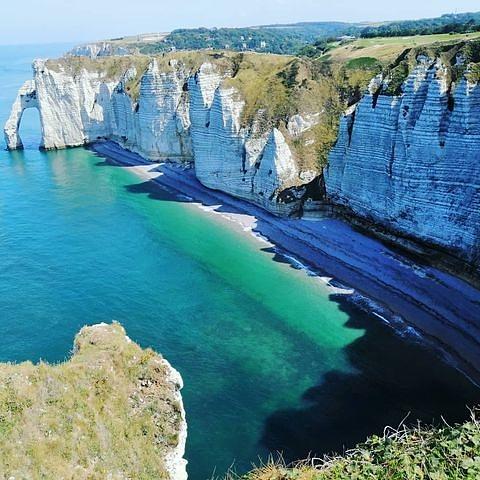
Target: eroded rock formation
x=406, y=161
x=26, y=98
x=98, y=49
x=179, y=115
x=411, y=162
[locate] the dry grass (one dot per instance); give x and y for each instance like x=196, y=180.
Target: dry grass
x=108, y=68
x=113, y=67
x=276, y=87
x=108, y=412
x=257, y=79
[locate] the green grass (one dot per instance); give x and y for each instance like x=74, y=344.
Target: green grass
x=361, y=63
x=420, y=453
x=275, y=87
x=108, y=412
x=258, y=80
x=386, y=49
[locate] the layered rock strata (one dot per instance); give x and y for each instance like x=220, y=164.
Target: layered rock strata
x=410, y=163
x=178, y=116
x=406, y=164
x=26, y=98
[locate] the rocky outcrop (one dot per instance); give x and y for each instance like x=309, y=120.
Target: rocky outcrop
x=112, y=410
x=179, y=115
x=98, y=49
x=163, y=115
x=74, y=109
x=245, y=162
x=407, y=162
x=26, y=98
x=410, y=163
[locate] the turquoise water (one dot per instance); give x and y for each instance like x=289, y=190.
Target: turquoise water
x=270, y=359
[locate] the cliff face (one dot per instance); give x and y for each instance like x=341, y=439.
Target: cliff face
x=406, y=158
x=112, y=411
x=245, y=162
x=98, y=49
x=411, y=163
x=176, y=113
x=26, y=98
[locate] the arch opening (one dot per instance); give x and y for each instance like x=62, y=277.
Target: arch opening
x=26, y=100
x=29, y=129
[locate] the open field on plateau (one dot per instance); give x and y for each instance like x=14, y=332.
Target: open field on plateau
x=386, y=49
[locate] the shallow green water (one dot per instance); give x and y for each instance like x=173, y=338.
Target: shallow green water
x=270, y=360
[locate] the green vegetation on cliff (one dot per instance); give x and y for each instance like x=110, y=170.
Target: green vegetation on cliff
x=458, y=59
x=444, y=453
x=273, y=87
x=108, y=412
x=108, y=68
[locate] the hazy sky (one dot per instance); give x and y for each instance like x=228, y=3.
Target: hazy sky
x=44, y=21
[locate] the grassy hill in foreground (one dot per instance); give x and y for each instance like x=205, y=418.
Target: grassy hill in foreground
x=111, y=411
x=445, y=453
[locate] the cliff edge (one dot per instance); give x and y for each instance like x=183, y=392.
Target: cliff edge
x=246, y=122
x=407, y=158
x=403, y=160
x=112, y=411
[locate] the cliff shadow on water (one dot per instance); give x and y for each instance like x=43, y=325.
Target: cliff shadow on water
x=397, y=377
x=395, y=374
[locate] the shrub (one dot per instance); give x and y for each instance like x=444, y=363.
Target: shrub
x=442, y=453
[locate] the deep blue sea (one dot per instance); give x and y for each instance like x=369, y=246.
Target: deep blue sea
x=272, y=362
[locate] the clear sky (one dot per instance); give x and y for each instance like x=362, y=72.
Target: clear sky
x=44, y=21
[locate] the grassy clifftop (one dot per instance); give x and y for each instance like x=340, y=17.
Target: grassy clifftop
x=446, y=453
x=109, y=412
x=273, y=87
x=459, y=59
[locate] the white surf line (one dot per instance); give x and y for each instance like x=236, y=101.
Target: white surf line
x=247, y=222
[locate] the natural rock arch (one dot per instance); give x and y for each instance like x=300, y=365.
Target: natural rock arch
x=26, y=98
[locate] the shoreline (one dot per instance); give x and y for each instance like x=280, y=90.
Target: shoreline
x=416, y=299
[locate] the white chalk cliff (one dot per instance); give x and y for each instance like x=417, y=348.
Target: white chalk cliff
x=408, y=163
x=244, y=162
x=26, y=98
x=98, y=49
x=411, y=162
x=179, y=116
